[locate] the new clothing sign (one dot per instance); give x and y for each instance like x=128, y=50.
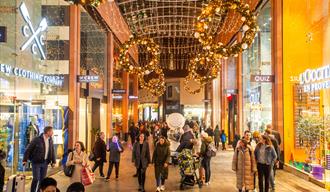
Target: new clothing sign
x=55, y=80
x=88, y=78
x=35, y=38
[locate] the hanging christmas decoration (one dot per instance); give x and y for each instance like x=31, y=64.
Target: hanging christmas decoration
x=151, y=46
x=156, y=84
x=94, y=3
x=249, y=26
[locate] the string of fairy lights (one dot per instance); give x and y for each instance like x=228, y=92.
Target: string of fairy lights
x=205, y=66
x=214, y=51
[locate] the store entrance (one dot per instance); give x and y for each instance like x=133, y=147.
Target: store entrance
x=232, y=116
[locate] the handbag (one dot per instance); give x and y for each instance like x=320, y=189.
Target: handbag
x=68, y=170
x=87, y=176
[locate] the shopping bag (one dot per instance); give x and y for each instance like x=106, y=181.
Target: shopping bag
x=16, y=183
x=87, y=176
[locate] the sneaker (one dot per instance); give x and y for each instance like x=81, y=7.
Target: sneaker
x=158, y=189
x=107, y=179
x=102, y=175
x=162, y=188
x=208, y=183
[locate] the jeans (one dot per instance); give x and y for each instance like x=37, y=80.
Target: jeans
x=100, y=165
x=141, y=176
x=223, y=145
x=217, y=143
x=111, y=167
x=272, y=176
x=2, y=177
x=160, y=181
x=263, y=176
x=39, y=171
x=206, y=163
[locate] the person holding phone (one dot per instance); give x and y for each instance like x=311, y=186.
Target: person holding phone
x=115, y=149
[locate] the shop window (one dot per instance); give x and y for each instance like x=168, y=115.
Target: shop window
x=58, y=50
x=56, y=15
x=257, y=96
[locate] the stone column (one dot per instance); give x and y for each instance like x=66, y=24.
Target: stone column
x=125, y=102
x=110, y=66
x=135, y=101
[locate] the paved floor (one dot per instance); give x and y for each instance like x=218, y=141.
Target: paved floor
x=223, y=178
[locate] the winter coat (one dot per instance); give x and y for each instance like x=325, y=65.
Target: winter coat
x=82, y=157
x=133, y=132
x=100, y=150
x=161, y=156
x=223, y=138
x=269, y=152
x=244, y=164
x=204, y=147
x=185, y=141
x=277, y=136
x=35, y=151
x=141, y=157
x=217, y=135
x=114, y=152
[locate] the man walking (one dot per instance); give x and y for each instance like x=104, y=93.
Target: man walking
x=100, y=152
x=41, y=153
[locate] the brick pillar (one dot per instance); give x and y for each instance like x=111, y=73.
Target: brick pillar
x=110, y=66
x=74, y=68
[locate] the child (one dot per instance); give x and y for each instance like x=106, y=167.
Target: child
x=223, y=140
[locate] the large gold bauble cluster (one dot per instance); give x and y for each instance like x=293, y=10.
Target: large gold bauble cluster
x=212, y=51
x=156, y=84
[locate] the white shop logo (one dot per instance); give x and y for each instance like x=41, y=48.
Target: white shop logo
x=315, y=79
x=35, y=36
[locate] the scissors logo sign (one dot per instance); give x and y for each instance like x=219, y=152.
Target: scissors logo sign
x=34, y=36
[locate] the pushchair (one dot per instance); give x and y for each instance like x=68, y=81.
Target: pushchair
x=189, y=166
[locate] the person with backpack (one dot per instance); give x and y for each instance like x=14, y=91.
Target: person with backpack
x=244, y=164
x=206, y=154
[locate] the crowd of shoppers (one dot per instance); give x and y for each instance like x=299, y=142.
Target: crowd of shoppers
x=261, y=155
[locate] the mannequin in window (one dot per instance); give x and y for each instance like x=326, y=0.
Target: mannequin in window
x=32, y=130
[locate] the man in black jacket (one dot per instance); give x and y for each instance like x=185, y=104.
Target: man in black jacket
x=41, y=153
x=100, y=153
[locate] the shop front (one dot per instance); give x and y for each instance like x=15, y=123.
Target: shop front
x=257, y=76
x=306, y=78
x=33, y=82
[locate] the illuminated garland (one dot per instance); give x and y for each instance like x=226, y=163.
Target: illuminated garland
x=151, y=47
x=94, y=3
x=205, y=61
x=156, y=86
x=249, y=26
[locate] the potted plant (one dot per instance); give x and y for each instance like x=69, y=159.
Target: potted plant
x=309, y=130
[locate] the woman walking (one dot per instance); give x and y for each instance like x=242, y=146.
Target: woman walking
x=79, y=159
x=217, y=136
x=161, y=158
x=115, y=149
x=141, y=159
x=244, y=164
x=265, y=155
x=206, y=159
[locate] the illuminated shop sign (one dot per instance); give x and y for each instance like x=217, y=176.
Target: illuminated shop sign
x=55, y=80
x=315, y=79
x=35, y=36
x=88, y=78
x=262, y=78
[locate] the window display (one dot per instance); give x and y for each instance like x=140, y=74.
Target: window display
x=257, y=95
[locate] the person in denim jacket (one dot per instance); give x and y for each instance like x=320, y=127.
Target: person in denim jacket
x=265, y=155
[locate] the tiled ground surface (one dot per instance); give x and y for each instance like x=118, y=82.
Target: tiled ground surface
x=223, y=178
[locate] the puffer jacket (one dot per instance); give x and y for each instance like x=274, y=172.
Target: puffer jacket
x=244, y=164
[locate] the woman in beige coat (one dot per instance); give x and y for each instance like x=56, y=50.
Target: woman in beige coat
x=79, y=160
x=244, y=164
